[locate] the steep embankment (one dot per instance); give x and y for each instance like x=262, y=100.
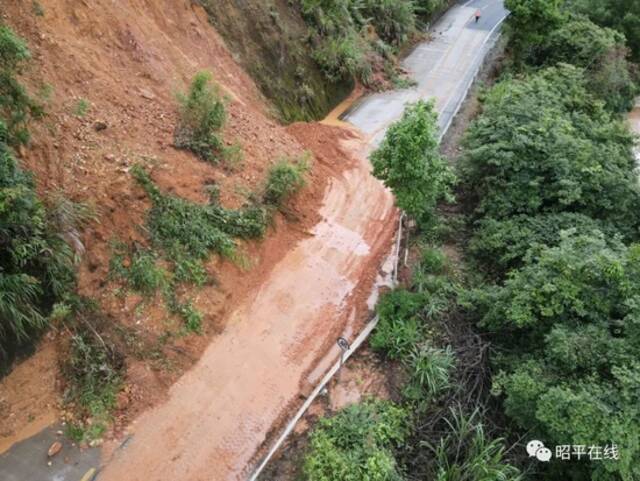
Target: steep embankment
x=111, y=72
x=271, y=42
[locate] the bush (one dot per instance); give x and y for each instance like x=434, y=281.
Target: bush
x=399, y=326
x=409, y=163
x=284, y=179
x=356, y=444
x=202, y=115
x=16, y=106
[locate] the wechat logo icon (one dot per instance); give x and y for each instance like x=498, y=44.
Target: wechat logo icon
x=536, y=449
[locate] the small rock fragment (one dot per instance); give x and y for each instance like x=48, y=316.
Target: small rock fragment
x=99, y=125
x=54, y=449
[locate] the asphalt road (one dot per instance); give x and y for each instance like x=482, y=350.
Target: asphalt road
x=443, y=69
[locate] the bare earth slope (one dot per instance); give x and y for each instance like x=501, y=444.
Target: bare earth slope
x=219, y=413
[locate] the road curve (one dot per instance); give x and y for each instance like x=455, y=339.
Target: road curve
x=443, y=68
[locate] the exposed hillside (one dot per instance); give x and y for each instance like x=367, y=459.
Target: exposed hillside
x=107, y=76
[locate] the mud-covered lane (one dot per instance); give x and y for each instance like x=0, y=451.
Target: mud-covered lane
x=220, y=412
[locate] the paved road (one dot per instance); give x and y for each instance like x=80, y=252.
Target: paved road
x=443, y=68
x=27, y=460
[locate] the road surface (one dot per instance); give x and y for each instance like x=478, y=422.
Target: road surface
x=443, y=68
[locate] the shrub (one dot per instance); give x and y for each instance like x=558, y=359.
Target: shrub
x=357, y=443
x=284, y=179
x=409, y=163
x=399, y=326
x=202, y=115
x=16, y=106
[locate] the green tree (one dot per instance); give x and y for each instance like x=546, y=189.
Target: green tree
x=622, y=15
x=530, y=21
x=600, y=51
x=409, y=162
x=567, y=329
x=543, y=145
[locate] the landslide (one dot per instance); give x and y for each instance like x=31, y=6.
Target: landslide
x=125, y=62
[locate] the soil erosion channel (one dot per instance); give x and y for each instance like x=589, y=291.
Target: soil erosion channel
x=219, y=414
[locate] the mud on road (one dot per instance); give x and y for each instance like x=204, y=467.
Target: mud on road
x=250, y=376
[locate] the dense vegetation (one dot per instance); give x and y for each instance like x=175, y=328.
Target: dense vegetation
x=539, y=338
x=550, y=178
x=36, y=264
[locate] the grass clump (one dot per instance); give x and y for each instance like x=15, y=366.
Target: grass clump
x=430, y=368
x=94, y=369
x=139, y=269
x=81, y=107
x=284, y=179
x=202, y=115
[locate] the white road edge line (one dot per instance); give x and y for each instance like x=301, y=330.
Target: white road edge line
x=364, y=334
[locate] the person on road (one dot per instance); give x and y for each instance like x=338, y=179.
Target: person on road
x=478, y=15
